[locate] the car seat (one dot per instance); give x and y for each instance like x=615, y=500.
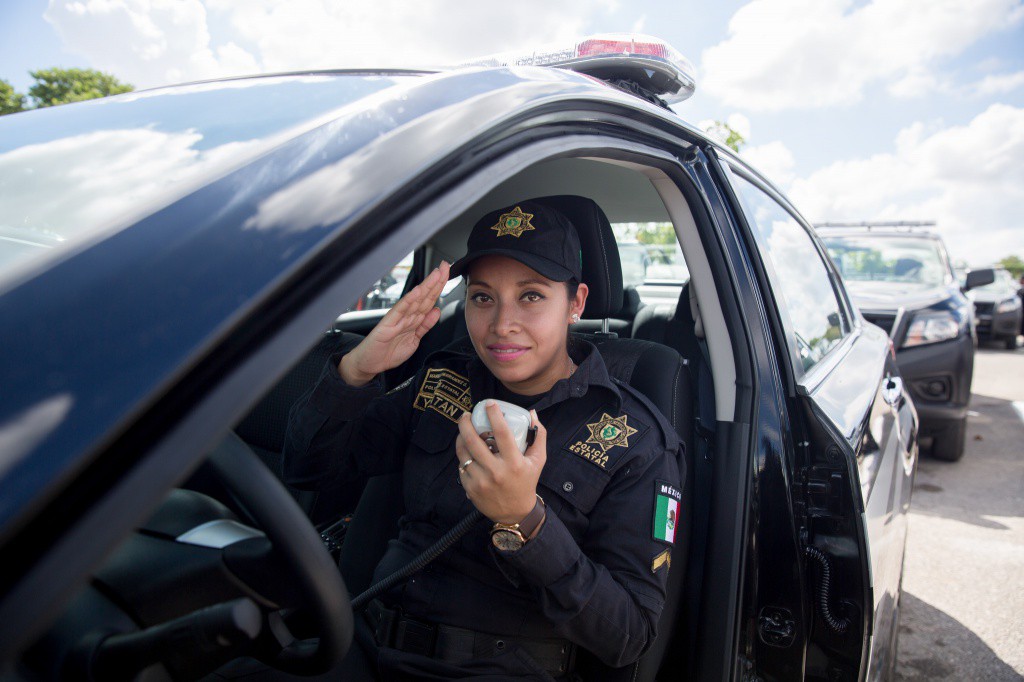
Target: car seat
x=681, y=327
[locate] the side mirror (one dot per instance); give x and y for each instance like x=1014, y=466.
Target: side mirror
x=979, y=278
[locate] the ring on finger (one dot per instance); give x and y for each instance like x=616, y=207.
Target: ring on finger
x=462, y=467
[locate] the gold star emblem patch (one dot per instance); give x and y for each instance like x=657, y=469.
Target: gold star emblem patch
x=610, y=431
x=515, y=222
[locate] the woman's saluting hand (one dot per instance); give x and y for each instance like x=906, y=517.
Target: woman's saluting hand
x=397, y=336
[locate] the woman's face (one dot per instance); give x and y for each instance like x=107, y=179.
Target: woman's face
x=518, y=321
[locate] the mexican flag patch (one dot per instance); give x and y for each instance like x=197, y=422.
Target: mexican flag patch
x=666, y=512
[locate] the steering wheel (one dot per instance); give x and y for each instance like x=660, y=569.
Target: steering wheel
x=316, y=579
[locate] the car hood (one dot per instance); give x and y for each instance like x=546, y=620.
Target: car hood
x=989, y=296
x=896, y=295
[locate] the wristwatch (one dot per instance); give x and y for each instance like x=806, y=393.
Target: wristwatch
x=509, y=537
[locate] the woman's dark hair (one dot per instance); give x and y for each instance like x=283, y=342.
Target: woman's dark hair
x=571, y=287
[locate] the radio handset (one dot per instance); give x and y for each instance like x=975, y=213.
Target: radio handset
x=517, y=418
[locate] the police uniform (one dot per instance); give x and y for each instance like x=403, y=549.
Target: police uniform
x=593, y=576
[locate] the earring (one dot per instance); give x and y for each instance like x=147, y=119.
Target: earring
x=575, y=318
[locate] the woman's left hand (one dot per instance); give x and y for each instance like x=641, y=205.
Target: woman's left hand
x=502, y=485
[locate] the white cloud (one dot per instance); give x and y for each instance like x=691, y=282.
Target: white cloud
x=968, y=178
x=152, y=42
x=739, y=123
x=1000, y=83
x=773, y=160
x=783, y=54
x=147, y=42
x=93, y=176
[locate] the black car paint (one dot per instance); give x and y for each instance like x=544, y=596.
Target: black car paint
x=241, y=277
x=826, y=454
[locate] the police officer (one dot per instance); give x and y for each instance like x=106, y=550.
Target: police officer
x=576, y=545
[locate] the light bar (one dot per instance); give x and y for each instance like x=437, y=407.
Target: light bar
x=651, y=63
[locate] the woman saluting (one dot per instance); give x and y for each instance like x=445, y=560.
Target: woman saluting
x=575, y=548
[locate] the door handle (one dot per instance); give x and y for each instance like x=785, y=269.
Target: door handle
x=892, y=389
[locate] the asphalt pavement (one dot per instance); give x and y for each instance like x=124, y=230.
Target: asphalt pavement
x=963, y=581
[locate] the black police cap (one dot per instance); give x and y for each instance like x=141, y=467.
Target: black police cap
x=538, y=236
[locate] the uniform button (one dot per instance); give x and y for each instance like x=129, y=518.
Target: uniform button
x=567, y=486
x=500, y=644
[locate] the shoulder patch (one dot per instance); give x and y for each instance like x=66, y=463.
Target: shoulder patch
x=663, y=559
x=444, y=391
x=604, y=438
x=666, y=512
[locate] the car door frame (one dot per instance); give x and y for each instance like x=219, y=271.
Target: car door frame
x=814, y=397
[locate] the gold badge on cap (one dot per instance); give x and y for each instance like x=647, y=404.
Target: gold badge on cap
x=515, y=222
x=610, y=432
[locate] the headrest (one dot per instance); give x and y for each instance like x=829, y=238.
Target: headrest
x=688, y=310
x=602, y=271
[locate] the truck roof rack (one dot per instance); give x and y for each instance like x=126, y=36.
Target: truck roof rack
x=869, y=224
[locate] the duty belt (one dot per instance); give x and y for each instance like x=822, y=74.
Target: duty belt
x=391, y=628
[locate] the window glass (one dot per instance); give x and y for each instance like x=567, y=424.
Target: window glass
x=800, y=275
x=652, y=262
x=387, y=290
x=910, y=262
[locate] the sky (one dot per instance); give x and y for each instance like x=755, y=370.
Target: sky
x=856, y=109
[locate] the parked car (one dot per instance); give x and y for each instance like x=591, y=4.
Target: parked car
x=997, y=310
x=902, y=281
x=153, y=349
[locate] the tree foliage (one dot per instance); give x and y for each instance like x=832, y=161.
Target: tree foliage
x=11, y=100
x=727, y=134
x=1013, y=264
x=60, y=86
x=657, y=234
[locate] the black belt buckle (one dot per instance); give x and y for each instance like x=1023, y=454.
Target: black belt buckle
x=415, y=637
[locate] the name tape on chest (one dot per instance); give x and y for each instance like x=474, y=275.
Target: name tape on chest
x=445, y=392
x=598, y=440
x=666, y=512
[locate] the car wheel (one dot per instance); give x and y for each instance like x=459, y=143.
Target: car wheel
x=948, y=444
x=1011, y=343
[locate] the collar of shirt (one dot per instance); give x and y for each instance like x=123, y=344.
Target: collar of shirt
x=591, y=373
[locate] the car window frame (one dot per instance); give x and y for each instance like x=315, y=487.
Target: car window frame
x=805, y=380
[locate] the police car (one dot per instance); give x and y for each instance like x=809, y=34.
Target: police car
x=178, y=263
x=901, y=279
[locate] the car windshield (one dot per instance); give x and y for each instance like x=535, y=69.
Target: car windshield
x=912, y=261
x=71, y=173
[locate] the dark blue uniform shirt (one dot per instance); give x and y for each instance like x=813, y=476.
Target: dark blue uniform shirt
x=596, y=571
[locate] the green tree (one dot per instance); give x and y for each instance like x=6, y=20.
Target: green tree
x=11, y=100
x=657, y=234
x=60, y=86
x=727, y=134
x=1014, y=264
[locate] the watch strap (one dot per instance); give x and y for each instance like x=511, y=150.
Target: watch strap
x=528, y=526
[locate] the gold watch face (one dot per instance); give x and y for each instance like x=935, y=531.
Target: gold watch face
x=507, y=540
